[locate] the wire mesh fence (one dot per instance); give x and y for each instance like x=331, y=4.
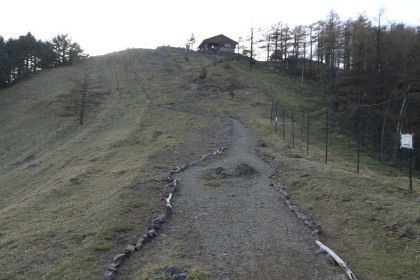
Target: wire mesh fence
x=363, y=133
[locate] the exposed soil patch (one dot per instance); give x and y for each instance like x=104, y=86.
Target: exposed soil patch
x=244, y=169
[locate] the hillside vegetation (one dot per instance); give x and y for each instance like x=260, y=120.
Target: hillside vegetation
x=72, y=196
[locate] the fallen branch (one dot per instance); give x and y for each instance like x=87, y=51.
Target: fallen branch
x=344, y=265
x=168, y=202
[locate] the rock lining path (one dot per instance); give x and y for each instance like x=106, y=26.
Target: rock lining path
x=239, y=229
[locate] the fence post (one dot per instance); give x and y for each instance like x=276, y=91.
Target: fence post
x=303, y=123
x=284, y=131
x=272, y=106
x=307, y=137
x=331, y=131
x=410, y=174
x=293, y=130
x=326, y=136
x=276, y=117
x=379, y=143
x=358, y=132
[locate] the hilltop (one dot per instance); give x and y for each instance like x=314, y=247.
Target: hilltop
x=73, y=196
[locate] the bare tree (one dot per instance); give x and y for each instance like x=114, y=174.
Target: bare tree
x=191, y=40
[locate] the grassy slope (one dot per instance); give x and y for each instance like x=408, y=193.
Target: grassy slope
x=62, y=218
x=355, y=210
x=65, y=205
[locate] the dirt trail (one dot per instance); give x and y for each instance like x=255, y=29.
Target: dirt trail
x=244, y=230
x=237, y=228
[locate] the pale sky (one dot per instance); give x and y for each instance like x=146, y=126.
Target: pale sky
x=102, y=27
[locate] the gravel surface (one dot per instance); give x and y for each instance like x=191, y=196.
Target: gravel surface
x=244, y=230
x=238, y=228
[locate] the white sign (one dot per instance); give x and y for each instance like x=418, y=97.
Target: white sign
x=407, y=141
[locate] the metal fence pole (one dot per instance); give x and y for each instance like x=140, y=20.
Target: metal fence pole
x=303, y=123
x=326, y=136
x=410, y=173
x=276, y=117
x=358, y=133
x=284, y=130
x=293, y=130
x=307, y=137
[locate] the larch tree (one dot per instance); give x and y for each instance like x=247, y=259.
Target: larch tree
x=67, y=52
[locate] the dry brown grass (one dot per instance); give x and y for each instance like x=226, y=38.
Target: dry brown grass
x=356, y=211
x=82, y=198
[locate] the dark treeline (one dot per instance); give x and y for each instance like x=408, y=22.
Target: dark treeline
x=357, y=61
x=348, y=55
x=24, y=55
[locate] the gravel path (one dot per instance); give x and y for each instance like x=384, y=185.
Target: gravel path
x=244, y=231
x=238, y=228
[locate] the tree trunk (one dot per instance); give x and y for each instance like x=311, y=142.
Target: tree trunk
x=310, y=52
x=381, y=150
x=397, y=135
